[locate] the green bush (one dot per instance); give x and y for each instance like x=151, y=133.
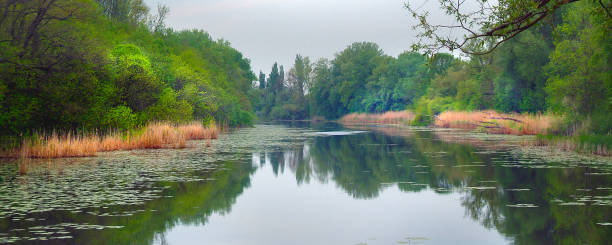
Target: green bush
x=120, y=117
x=168, y=108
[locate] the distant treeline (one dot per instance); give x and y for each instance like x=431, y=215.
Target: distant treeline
x=559, y=66
x=67, y=64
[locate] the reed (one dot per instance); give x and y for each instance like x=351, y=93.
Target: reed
x=153, y=136
x=390, y=117
x=196, y=131
x=55, y=145
x=495, y=122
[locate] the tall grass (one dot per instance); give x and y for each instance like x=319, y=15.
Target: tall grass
x=153, y=136
x=495, y=122
x=390, y=117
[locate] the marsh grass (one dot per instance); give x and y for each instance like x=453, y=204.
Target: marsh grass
x=390, y=117
x=153, y=136
x=498, y=123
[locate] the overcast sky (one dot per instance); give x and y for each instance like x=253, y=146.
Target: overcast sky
x=266, y=31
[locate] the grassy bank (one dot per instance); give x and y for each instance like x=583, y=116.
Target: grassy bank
x=390, y=117
x=153, y=136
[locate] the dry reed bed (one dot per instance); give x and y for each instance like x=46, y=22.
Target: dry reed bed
x=390, y=117
x=498, y=123
x=153, y=136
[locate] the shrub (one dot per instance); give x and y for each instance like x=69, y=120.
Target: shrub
x=120, y=118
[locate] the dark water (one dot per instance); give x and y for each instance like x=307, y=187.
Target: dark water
x=305, y=185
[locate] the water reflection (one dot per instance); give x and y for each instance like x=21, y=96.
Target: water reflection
x=271, y=183
x=526, y=199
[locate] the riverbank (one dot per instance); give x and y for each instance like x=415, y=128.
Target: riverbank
x=483, y=121
x=153, y=136
x=493, y=122
x=497, y=123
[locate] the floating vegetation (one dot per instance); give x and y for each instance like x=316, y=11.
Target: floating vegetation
x=572, y=204
x=87, y=186
x=51, y=232
x=522, y=205
x=481, y=187
x=605, y=223
x=336, y=133
x=120, y=185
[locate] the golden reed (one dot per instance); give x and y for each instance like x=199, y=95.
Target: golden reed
x=390, y=117
x=494, y=122
x=154, y=136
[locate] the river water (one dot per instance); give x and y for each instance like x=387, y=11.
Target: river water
x=313, y=184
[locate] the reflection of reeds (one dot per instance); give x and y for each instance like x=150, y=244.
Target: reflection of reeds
x=23, y=165
x=494, y=122
x=153, y=136
x=390, y=117
x=590, y=144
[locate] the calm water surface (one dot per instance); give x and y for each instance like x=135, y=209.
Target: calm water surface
x=319, y=184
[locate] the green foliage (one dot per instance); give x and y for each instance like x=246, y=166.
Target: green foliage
x=168, y=108
x=579, y=75
x=120, y=117
x=360, y=79
x=96, y=64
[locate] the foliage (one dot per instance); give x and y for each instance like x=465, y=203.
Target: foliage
x=360, y=79
x=579, y=75
x=120, y=117
x=480, y=26
x=96, y=64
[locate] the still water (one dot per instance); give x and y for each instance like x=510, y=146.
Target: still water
x=313, y=184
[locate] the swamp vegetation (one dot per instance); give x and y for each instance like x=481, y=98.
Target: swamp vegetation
x=107, y=117
x=487, y=192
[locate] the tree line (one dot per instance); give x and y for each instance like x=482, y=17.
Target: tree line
x=560, y=66
x=67, y=64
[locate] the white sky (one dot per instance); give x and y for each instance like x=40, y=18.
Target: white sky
x=266, y=31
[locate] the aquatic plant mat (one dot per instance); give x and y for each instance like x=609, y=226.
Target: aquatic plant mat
x=89, y=187
x=149, y=191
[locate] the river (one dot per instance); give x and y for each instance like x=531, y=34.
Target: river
x=312, y=184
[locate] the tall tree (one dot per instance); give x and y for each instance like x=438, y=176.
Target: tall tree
x=262, y=80
x=281, y=78
x=274, y=80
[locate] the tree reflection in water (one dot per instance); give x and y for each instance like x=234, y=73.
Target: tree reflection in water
x=527, y=203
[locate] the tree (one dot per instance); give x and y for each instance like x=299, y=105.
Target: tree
x=484, y=25
x=579, y=75
x=262, y=80
x=300, y=74
x=133, y=12
x=274, y=79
